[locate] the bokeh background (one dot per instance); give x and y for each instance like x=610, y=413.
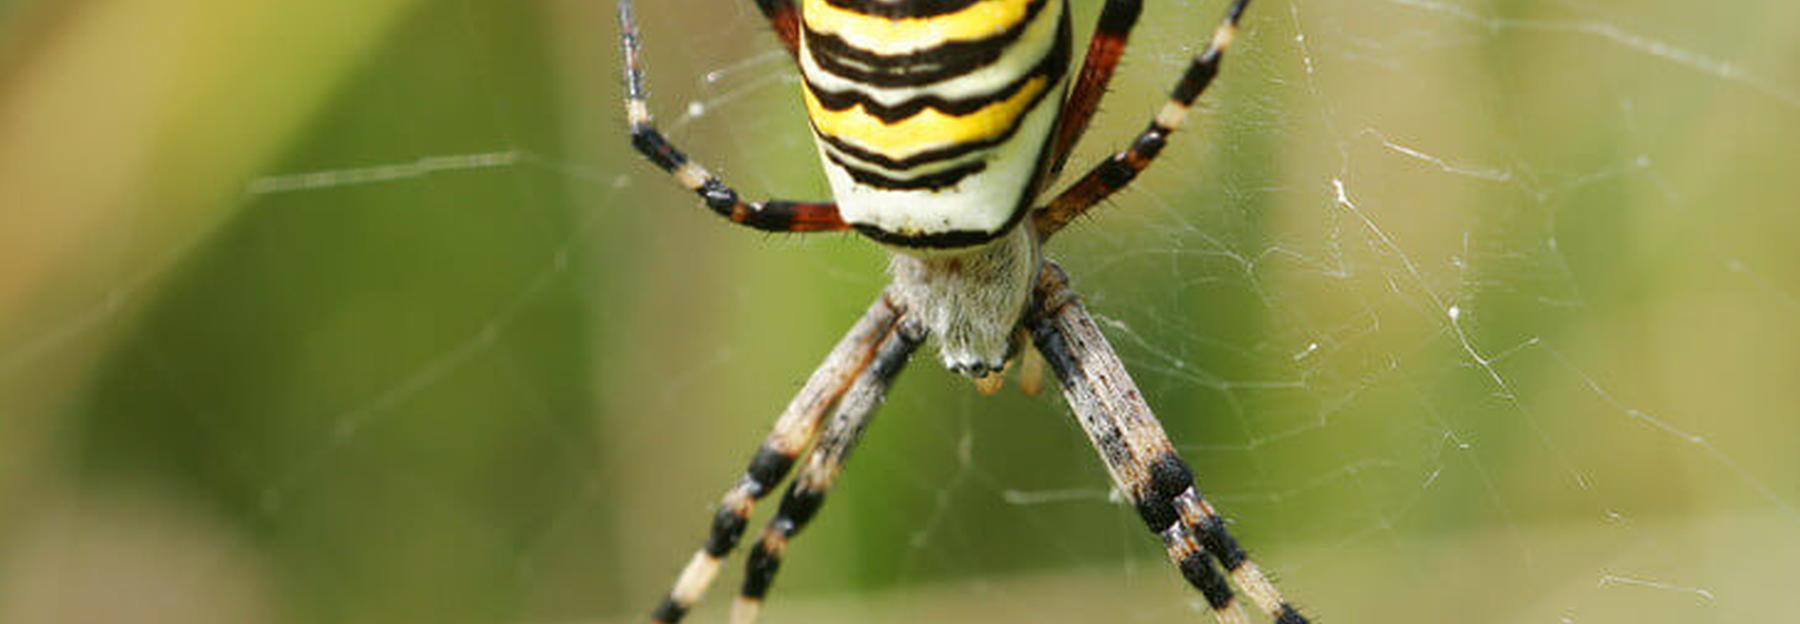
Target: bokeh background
x=332, y=311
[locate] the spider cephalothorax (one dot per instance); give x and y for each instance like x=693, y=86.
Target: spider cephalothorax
x=939, y=124
x=970, y=300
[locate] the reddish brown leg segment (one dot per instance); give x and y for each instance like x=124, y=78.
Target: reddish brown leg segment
x=785, y=20
x=771, y=215
x=1119, y=170
x=1104, y=50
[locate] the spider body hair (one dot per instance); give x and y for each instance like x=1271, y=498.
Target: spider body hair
x=972, y=299
x=933, y=122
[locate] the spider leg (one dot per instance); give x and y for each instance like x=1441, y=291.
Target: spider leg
x=1116, y=172
x=1140, y=458
x=847, y=361
x=1104, y=49
x=806, y=493
x=785, y=20
x=768, y=215
x=1200, y=518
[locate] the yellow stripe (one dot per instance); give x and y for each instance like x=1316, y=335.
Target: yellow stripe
x=881, y=35
x=925, y=130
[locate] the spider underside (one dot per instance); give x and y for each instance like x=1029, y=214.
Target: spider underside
x=969, y=275
x=971, y=303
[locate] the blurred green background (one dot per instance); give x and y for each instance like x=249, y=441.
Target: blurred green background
x=1471, y=310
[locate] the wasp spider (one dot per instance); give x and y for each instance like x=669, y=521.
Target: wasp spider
x=940, y=124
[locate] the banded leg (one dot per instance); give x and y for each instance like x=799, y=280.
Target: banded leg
x=846, y=362
x=1140, y=458
x=806, y=494
x=785, y=20
x=1116, y=172
x=1104, y=49
x=1200, y=517
x=768, y=215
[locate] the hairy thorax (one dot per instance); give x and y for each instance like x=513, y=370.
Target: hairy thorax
x=971, y=299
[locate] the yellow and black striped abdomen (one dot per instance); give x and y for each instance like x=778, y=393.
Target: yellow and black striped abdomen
x=932, y=115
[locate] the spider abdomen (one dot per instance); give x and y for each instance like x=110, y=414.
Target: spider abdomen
x=932, y=116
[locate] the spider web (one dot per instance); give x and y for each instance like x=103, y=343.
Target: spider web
x=1462, y=311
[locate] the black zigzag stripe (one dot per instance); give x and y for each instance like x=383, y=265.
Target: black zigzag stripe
x=1052, y=69
x=920, y=67
x=1055, y=63
x=902, y=10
